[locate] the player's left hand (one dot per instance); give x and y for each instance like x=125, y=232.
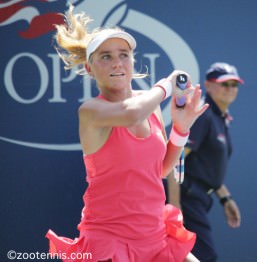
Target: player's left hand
x=184, y=118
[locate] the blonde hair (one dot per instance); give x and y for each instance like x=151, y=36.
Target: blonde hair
x=73, y=38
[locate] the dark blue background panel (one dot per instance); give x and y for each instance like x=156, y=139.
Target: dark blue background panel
x=41, y=167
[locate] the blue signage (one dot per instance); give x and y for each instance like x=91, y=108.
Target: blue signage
x=42, y=175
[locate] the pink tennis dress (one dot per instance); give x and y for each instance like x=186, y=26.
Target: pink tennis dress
x=125, y=218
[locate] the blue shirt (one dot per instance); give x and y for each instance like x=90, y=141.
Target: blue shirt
x=211, y=147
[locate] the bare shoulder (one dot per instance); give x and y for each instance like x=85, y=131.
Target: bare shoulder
x=89, y=109
x=89, y=105
x=87, y=114
x=92, y=135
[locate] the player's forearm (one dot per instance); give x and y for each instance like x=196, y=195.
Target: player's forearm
x=171, y=158
x=173, y=191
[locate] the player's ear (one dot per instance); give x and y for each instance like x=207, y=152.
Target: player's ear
x=89, y=71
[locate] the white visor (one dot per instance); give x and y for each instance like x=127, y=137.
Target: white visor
x=103, y=36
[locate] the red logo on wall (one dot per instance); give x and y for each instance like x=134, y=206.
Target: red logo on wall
x=21, y=10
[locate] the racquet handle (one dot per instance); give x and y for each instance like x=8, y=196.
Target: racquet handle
x=181, y=83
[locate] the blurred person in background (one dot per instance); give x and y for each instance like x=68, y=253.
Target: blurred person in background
x=207, y=153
